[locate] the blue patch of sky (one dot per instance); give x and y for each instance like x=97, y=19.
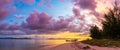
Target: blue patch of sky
x=58, y=9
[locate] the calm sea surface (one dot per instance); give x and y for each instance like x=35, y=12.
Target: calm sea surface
x=26, y=44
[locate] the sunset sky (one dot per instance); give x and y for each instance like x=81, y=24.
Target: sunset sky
x=34, y=16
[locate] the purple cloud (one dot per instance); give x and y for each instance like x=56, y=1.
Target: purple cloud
x=5, y=2
x=86, y=4
x=36, y=20
x=3, y=26
x=44, y=21
x=13, y=27
x=3, y=13
x=62, y=24
x=76, y=11
x=90, y=17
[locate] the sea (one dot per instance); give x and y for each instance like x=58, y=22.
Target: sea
x=26, y=42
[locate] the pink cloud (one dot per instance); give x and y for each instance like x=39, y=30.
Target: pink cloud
x=36, y=20
x=3, y=13
x=86, y=4
x=62, y=24
x=44, y=21
x=33, y=20
x=5, y=2
x=76, y=11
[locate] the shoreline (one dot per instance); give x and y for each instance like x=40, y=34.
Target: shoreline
x=77, y=46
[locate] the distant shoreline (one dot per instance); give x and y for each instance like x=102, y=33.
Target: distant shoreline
x=14, y=38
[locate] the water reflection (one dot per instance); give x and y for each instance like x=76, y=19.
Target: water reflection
x=25, y=44
x=37, y=41
x=19, y=44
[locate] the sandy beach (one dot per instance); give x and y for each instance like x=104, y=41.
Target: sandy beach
x=77, y=46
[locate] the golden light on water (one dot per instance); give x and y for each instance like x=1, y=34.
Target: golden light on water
x=61, y=37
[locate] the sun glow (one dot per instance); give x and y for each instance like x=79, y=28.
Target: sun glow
x=60, y=37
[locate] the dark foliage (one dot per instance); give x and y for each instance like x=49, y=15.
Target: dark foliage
x=111, y=25
x=95, y=32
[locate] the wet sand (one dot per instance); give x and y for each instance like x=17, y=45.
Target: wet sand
x=77, y=46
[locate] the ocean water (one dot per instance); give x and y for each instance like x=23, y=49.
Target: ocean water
x=21, y=44
x=26, y=44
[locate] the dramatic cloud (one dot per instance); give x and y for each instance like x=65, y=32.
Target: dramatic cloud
x=104, y=5
x=92, y=11
x=86, y=4
x=36, y=20
x=76, y=11
x=89, y=12
x=85, y=14
x=62, y=24
x=45, y=21
x=4, y=11
x=89, y=5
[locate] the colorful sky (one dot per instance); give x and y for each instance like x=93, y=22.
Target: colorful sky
x=35, y=16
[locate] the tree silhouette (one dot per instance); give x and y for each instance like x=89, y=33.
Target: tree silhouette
x=95, y=32
x=110, y=26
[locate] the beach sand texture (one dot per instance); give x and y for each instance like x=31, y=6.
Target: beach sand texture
x=77, y=46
